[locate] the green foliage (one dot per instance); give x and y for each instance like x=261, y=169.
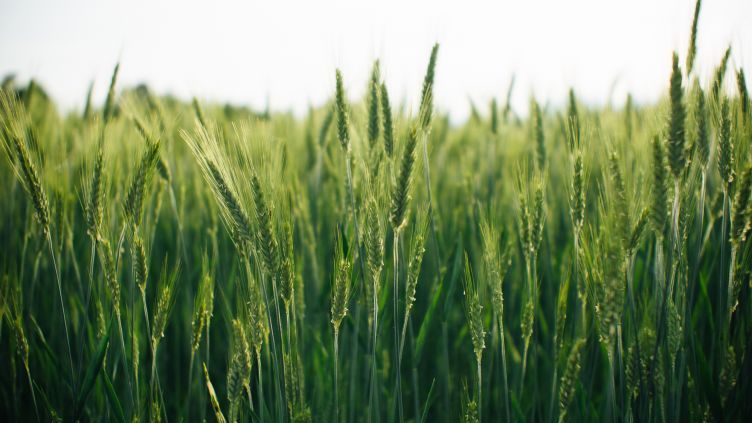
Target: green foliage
x=531, y=271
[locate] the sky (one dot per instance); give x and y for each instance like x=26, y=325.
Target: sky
x=284, y=53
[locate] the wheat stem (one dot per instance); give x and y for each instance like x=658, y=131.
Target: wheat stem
x=260, y=387
x=724, y=241
x=504, y=368
x=395, y=288
x=87, y=300
x=62, y=309
x=33, y=394
x=480, y=390
x=336, y=375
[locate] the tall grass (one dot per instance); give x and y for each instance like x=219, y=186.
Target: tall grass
x=571, y=264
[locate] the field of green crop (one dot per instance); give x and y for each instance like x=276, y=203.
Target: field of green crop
x=170, y=261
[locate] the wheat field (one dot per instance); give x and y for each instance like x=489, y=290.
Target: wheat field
x=184, y=261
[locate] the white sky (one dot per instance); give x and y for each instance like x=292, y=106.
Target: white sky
x=286, y=51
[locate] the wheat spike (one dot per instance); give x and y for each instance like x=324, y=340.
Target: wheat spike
x=240, y=223
x=266, y=241
x=213, y=398
x=573, y=115
x=638, y=229
x=568, y=382
x=413, y=268
x=374, y=240
x=701, y=139
x=343, y=130
x=340, y=292
x=140, y=262
x=741, y=86
x=165, y=301
x=134, y=201
x=659, y=198
x=386, y=113
x=199, y=111
x=238, y=374
x=109, y=104
x=720, y=73
x=287, y=265
x=494, y=117
x=258, y=324
x=469, y=407
x=426, y=96
x=373, y=106
x=692, y=50
x=741, y=212
x=676, y=151
x=540, y=140
x=202, y=309
x=725, y=147
x=620, y=205
x=15, y=140
x=401, y=191
x=474, y=312
x=539, y=216
x=577, y=199
x=96, y=195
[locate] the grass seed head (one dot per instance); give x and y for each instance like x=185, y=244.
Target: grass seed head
x=701, y=138
x=401, y=190
x=139, y=255
x=526, y=320
x=109, y=104
x=659, y=198
x=134, y=201
x=165, y=301
x=568, y=382
x=577, y=200
x=494, y=117
x=267, y=243
x=741, y=212
x=213, y=398
x=619, y=203
x=17, y=137
x=540, y=140
x=720, y=74
x=202, y=309
x=287, y=265
x=343, y=125
x=386, y=112
x=741, y=86
x=469, y=407
x=258, y=323
x=725, y=147
x=95, y=201
x=239, y=221
x=373, y=106
x=414, y=265
x=199, y=111
x=676, y=151
x=239, y=372
x=426, y=95
x=497, y=265
x=374, y=239
x=340, y=289
x=637, y=230
x=474, y=312
x=573, y=115
x=692, y=50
